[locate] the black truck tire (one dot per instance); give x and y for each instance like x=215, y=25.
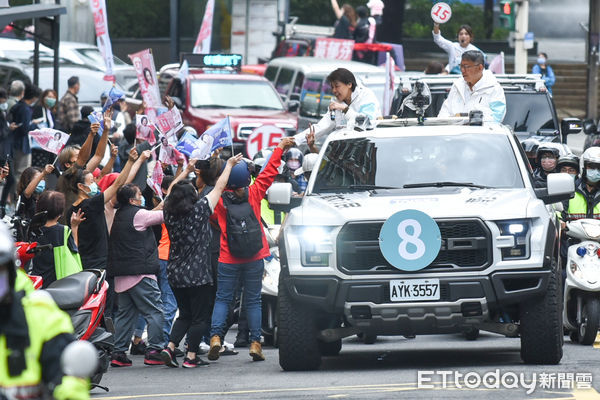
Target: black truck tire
x=330, y=348
x=541, y=325
x=297, y=334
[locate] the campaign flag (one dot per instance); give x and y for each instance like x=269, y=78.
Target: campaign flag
x=155, y=181
x=48, y=139
x=205, y=35
x=102, y=38
x=221, y=134
x=169, y=123
x=143, y=62
x=187, y=144
x=497, y=64
x=145, y=129
x=184, y=71
x=113, y=96
x=168, y=154
x=97, y=117
x=388, y=90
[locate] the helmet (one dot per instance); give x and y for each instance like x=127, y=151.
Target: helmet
x=294, y=154
x=530, y=145
x=547, y=148
x=308, y=164
x=570, y=160
x=264, y=153
x=7, y=254
x=240, y=176
x=590, y=156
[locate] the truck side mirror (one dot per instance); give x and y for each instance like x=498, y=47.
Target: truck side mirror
x=570, y=126
x=280, y=197
x=560, y=187
x=293, y=105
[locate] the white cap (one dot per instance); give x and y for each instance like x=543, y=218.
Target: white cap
x=376, y=7
x=308, y=164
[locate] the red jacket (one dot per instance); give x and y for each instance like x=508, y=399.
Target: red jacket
x=256, y=192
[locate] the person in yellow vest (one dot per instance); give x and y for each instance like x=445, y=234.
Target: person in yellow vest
x=33, y=335
x=586, y=202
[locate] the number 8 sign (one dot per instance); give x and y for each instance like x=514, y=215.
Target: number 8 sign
x=263, y=137
x=441, y=13
x=410, y=240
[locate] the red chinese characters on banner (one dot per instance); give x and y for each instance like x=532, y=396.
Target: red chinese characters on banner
x=335, y=49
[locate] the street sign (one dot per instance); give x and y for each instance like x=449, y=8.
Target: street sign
x=528, y=41
x=441, y=13
x=263, y=137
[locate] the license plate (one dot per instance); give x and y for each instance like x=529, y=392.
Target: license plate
x=415, y=289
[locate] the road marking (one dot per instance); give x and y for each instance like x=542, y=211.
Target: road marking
x=588, y=394
x=337, y=396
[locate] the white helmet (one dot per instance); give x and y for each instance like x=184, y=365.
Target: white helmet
x=308, y=164
x=590, y=156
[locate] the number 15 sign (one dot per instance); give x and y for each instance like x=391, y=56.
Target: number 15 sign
x=263, y=137
x=441, y=13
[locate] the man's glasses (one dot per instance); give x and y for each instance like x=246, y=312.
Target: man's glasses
x=462, y=66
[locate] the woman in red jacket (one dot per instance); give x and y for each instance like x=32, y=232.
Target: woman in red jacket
x=243, y=249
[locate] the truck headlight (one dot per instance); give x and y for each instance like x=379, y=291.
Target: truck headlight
x=520, y=230
x=316, y=244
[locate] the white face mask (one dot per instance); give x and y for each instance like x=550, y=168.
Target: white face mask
x=4, y=106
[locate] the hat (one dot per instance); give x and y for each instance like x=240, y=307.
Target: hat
x=308, y=164
x=376, y=7
x=107, y=180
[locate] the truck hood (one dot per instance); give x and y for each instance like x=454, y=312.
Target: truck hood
x=240, y=115
x=449, y=202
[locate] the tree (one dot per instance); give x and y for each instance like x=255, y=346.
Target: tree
x=392, y=21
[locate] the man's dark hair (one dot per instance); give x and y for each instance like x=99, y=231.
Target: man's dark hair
x=434, y=67
x=544, y=54
x=210, y=175
x=475, y=56
x=129, y=133
x=72, y=81
x=31, y=91
x=3, y=94
x=342, y=75
x=181, y=200
x=52, y=202
x=86, y=111
x=126, y=193
x=167, y=180
x=468, y=29
x=362, y=11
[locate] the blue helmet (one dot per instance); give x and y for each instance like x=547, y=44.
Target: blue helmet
x=240, y=176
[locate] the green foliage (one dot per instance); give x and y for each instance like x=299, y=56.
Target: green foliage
x=138, y=18
x=318, y=12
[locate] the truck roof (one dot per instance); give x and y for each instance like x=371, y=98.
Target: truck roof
x=206, y=75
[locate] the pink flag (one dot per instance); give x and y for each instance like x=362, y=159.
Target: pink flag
x=156, y=180
x=102, y=39
x=388, y=90
x=143, y=62
x=205, y=35
x=168, y=154
x=169, y=123
x=49, y=139
x=145, y=129
x=497, y=64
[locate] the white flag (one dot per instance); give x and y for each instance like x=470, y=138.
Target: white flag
x=388, y=91
x=205, y=35
x=497, y=64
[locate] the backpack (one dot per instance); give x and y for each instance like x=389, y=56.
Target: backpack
x=244, y=233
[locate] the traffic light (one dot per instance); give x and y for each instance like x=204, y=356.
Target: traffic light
x=507, y=14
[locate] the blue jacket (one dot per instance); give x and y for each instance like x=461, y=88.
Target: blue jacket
x=21, y=114
x=547, y=76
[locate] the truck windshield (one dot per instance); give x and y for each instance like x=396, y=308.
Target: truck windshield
x=469, y=159
x=234, y=94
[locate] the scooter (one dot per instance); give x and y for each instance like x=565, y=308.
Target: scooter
x=269, y=289
x=581, y=315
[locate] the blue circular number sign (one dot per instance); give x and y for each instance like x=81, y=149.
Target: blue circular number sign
x=410, y=240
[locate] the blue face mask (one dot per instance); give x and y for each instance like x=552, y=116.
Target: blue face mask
x=541, y=60
x=40, y=187
x=93, y=189
x=143, y=202
x=593, y=175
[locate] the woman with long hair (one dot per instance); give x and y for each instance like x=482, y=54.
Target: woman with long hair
x=346, y=20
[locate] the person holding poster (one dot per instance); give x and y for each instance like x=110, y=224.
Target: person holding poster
x=455, y=50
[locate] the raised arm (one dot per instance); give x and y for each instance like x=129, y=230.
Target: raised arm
x=111, y=191
x=114, y=150
x=86, y=149
x=101, y=149
x=48, y=169
x=215, y=194
x=336, y=9
x=188, y=170
x=137, y=164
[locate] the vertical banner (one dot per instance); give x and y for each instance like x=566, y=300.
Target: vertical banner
x=388, y=90
x=102, y=39
x=205, y=35
x=143, y=62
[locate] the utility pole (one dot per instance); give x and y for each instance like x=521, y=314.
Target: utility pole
x=521, y=28
x=174, y=30
x=593, y=60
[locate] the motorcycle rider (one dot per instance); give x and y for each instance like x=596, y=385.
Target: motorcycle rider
x=530, y=146
x=586, y=202
x=569, y=164
x=33, y=335
x=547, y=159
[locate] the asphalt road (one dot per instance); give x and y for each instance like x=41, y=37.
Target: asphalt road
x=388, y=369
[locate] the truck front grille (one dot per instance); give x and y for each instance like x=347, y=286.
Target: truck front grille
x=466, y=245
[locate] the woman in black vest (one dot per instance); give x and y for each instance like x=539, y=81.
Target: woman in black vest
x=189, y=269
x=133, y=261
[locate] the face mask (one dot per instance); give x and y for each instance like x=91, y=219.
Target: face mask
x=4, y=286
x=40, y=187
x=548, y=164
x=593, y=175
x=293, y=164
x=4, y=106
x=50, y=102
x=93, y=189
x=541, y=60
x=574, y=176
x=143, y=202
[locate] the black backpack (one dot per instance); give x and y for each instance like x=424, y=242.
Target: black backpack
x=244, y=233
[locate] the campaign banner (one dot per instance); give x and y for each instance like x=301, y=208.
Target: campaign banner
x=205, y=34
x=155, y=181
x=145, y=129
x=334, y=49
x=168, y=154
x=220, y=133
x=143, y=62
x=48, y=139
x=112, y=96
x=97, y=117
x=102, y=38
x=388, y=90
x=199, y=149
x=169, y=123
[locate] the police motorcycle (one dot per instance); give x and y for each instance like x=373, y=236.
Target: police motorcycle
x=581, y=314
x=269, y=289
